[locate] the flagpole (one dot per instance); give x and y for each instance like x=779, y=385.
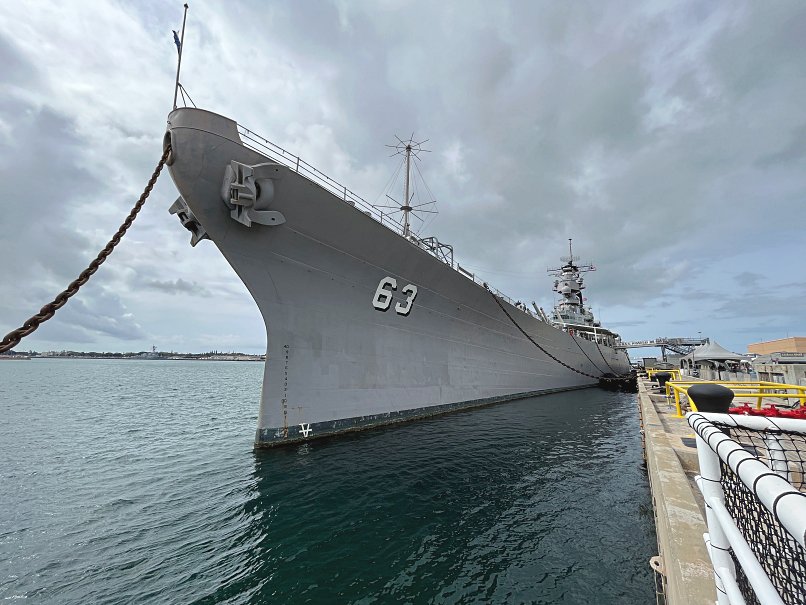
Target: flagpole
x=179, y=62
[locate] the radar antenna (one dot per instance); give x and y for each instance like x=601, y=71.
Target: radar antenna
x=570, y=263
x=410, y=149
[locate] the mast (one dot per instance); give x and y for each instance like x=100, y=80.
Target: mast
x=569, y=285
x=181, y=47
x=406, y=208
x=410, y=149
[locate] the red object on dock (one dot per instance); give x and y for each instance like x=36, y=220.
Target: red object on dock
x=771, y=411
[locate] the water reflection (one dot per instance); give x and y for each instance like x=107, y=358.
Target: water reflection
x=537, y=500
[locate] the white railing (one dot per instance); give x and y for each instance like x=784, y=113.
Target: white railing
x=294, y=162
x=769, y=484
x=265, y=147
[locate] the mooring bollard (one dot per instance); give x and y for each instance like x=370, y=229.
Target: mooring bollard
x=711, y=397
x=663, y=378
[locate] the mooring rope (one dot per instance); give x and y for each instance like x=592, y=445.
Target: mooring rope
x=515, y=323
x=598, y=369
x=606, y=363
x=13, y=338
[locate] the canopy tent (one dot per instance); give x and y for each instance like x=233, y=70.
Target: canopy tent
x=711, y=351
x=711, y=359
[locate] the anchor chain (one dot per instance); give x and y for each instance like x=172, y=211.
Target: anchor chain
x=13, y=338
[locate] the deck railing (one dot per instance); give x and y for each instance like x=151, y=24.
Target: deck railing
x=752, y=480
x=265, y=147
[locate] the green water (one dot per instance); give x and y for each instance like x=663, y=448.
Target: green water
x=136, y=482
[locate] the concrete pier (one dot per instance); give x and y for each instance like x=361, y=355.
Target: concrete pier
x=671, y=459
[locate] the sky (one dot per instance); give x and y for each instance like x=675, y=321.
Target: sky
x=668, y=139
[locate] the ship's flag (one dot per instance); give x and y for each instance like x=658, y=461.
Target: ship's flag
x=177, y=42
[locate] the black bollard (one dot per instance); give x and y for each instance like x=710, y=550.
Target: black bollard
x=663, y=378
x=711, y=397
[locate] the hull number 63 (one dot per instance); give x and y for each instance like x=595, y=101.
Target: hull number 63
x=383, y=296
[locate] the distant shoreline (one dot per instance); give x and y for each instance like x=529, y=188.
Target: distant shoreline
x=140, y=357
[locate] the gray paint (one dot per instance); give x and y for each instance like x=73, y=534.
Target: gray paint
x=331, y=356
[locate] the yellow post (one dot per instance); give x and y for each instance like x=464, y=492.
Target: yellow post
x=677, y=403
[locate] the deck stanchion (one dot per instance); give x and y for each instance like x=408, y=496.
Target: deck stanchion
x=776, y=453
x=718, y=542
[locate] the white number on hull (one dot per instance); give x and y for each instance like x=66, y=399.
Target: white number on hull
x=383, y=296
x=411, y=292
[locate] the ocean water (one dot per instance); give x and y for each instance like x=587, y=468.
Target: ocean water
x=136, y=482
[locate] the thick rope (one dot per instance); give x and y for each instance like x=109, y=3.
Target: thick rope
x=598, y=369
x=13, y=338
x=562, y=363
x=607, y=364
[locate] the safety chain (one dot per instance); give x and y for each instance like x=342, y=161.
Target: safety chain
x=13, y=338
x=562, y=363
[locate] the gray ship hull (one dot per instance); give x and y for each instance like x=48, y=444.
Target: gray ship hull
x=334, y=361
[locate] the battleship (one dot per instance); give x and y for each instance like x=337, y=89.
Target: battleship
x=366, y=323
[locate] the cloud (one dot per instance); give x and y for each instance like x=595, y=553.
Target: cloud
x=103, y=313
x=624, y=324
x=177, y=286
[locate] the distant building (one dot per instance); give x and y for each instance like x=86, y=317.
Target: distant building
x=793, y=344
x=671, y=361
x=788, y=368
x=649, y=362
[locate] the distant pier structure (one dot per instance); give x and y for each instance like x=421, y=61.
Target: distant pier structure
x=681, y=346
